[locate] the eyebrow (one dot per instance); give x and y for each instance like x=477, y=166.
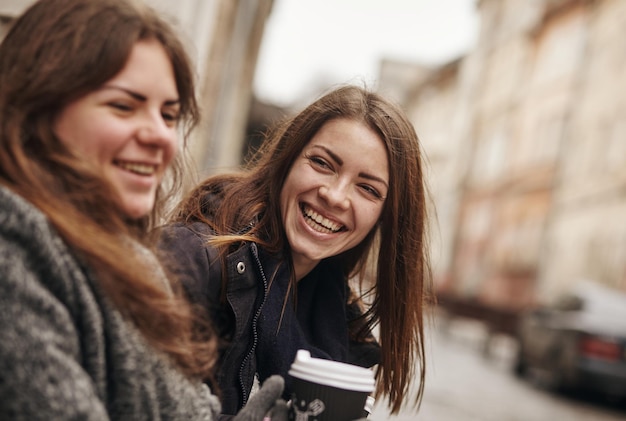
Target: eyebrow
x=339, y=161
x=137, y=95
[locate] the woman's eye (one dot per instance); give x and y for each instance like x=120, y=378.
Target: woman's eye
x=371, y=191
x=121, y=106
x=319, y=162
x=171, y=117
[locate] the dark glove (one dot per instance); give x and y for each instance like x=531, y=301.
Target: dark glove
x=266, y=401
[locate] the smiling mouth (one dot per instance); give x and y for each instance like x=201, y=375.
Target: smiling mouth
x=318, y=222
x=137, y=168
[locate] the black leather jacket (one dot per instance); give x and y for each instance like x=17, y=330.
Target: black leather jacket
x=235, y=313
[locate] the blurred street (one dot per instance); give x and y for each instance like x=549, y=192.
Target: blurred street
x=464, y=385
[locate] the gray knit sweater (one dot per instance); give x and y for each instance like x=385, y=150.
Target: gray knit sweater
x=65, y=352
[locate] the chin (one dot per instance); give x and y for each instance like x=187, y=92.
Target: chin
x=137, y=211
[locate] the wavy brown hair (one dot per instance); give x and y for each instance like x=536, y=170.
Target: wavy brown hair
x=56, y=52
x=401, y=284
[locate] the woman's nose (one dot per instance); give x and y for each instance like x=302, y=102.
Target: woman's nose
x=154, y=131
x=335, y=194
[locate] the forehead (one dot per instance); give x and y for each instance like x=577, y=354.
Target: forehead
x=149, y=66
x=341, y=131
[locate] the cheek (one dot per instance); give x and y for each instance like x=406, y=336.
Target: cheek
x=372, y=216
x=172, y=148
x=86, y=134
x=66, y=129
x=290, y=185
x=301, y=179
x=77, y=138
x=288, y=199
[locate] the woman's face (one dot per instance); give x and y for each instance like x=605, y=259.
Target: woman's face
x=334, y=193
x=127, y=127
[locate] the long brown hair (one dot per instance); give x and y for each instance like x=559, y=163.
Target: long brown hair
x=56, y=52
x=402, y=280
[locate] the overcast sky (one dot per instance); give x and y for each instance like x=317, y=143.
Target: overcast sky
x=337, y=41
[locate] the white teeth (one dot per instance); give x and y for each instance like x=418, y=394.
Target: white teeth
x=326, y=224
x=143, y=169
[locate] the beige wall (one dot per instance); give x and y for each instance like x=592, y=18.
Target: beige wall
x=525, y=139
x=226, y=36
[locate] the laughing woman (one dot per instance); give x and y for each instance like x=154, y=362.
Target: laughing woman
x=269, y=253
x=93, y=94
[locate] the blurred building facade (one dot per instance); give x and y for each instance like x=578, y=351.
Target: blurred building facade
x=526, y=142
x=224, y=38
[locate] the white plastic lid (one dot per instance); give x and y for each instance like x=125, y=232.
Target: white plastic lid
x=332, y=373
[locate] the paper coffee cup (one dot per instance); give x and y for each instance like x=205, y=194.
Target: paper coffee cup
x=325, y=390
x=369, y=407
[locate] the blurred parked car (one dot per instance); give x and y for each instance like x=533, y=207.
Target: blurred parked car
x=578, y=342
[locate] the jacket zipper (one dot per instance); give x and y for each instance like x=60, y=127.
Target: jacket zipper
x=255, y=339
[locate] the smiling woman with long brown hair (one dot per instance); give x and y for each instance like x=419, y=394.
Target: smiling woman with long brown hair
x=269, y=253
